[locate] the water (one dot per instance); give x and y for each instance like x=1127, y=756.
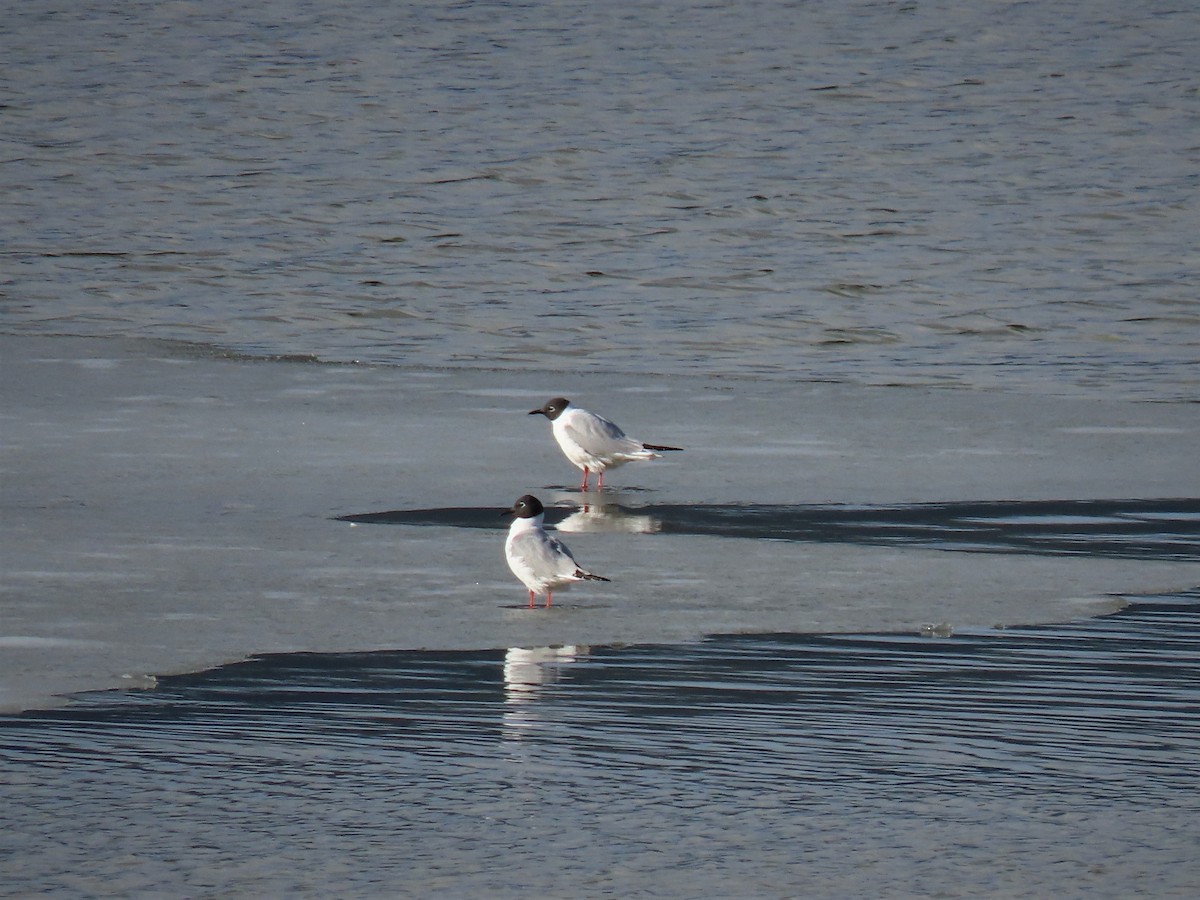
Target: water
x=768, y=215
x=1142, y=530
x=976, y=194
x=992, y=764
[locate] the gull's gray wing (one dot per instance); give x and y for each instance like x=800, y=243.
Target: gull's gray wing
x=544, y=555
x=598, y=436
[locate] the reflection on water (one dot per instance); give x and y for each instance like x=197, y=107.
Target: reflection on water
x=527, y=672
x=599, y=512
x=1131, y=529
x=1015, y=762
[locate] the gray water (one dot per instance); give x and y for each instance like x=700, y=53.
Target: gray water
x=695, y=215
x=1051, y=760
x=972, y=194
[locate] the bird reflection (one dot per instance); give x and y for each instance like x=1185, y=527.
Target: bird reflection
x=602, y=513
x=527, y=672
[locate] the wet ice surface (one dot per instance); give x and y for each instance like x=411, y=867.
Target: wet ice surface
x=166, y=511
x=1028, y=762
x=697, y=727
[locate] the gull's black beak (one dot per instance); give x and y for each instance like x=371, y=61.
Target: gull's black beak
x=537, y=412
x=508, y=512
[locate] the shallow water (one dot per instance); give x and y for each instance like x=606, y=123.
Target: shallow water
x=964, y=194
x=1122, y=529
x=1016, y=763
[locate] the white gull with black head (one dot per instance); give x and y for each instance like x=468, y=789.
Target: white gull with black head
x=542, y=562
x=592, y=442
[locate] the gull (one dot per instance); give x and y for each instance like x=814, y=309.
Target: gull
x=542, y=562
x=592, y=442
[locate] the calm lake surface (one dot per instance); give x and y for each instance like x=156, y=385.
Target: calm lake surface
x=980, y=196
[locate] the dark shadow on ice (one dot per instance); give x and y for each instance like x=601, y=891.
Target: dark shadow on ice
x=1133, y=529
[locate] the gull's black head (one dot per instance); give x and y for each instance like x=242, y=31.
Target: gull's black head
x=552, y=408
x=526, y=507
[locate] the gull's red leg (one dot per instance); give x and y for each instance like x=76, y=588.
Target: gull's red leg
x=547, y=599
x=531, y=599
x=583, y=487
x=600, y=482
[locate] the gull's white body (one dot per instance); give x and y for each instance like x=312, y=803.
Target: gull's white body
x=541, y=562
x=592, y=442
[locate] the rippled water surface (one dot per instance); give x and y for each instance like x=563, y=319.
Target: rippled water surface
x=952, y=193
x=1013, y=763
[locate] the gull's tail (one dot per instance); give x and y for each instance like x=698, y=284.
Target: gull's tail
x=588, y=576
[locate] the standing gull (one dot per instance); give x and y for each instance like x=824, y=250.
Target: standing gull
x=592, y=442
x=542, y=562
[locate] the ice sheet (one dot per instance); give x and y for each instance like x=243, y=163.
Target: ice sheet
x=166, y=510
